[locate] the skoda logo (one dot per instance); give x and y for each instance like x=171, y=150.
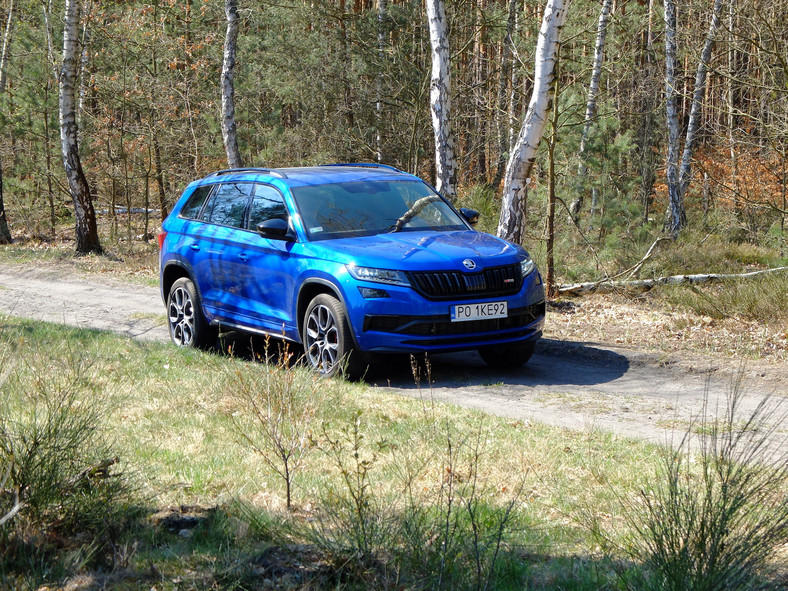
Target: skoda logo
x=469, y=264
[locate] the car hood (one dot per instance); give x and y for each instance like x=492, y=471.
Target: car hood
x=413, y=251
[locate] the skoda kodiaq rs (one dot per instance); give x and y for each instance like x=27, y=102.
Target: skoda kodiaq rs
x=348, y=260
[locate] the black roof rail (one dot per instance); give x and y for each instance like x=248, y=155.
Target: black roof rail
x=366, y=165
x=271, y=171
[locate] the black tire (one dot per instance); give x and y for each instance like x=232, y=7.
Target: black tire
x=188, y=327
x=508, y=356
x=328, y=343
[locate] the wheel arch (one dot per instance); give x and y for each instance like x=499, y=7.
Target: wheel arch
x=312, y=288
x=169, y=275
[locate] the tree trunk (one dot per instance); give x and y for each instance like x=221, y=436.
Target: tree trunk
x=504, y=143
x=676, y=216
x=5, y=233
x=159, y=176
x=440, y=101
x=678, y=180
x=382, y=18
x=731, y=117
x=551, y=197
x=685, y=173
x=86, y=230
x=6, y=43
x=228, y=90
x=647, y=104
x=512, y=221
x=593, y=91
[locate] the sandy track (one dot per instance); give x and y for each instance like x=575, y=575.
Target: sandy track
x=569, y=384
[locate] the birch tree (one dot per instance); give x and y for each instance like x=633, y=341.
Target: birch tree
x=86, y=230
x=5, y=234
x=6, y=43
x=593, y=91
x=440, y=101
x=679, y=176
x=511, y=224
x=228, y=89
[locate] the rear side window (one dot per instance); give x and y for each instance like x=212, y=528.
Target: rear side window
x=227, y=205
x=267, y=204
x=193, y=206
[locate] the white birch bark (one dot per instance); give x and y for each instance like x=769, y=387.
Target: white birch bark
x=83, y=64
x=6, y=43
x=593, y=92
x=229, y=133
x=440, y=101
x=685, y=172
x=86, y=231
x=679, y=177
x=512, y=220
x=5, y=233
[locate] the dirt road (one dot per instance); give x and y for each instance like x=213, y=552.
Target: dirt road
x=570, y=384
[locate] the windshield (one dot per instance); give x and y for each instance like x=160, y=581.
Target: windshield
x=364, y=208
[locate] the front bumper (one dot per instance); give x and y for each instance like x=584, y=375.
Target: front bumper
x=407, y=322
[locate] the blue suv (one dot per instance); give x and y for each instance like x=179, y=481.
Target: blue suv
x=349, y=260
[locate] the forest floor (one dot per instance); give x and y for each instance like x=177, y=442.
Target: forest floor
x=606, y=362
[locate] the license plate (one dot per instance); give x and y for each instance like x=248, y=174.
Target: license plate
x=465, y=312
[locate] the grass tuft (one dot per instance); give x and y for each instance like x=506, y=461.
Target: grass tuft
x=718, y=509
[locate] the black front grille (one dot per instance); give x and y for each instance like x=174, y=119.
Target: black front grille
x=441, y=326
x=446, y=285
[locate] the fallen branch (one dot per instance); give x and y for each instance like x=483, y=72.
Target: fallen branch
x=14, y=510
x=607, y=286
x=17, y=504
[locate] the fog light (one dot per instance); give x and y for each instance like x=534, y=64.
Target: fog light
x=370, y=293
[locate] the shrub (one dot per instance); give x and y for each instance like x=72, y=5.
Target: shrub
x=54, y=450
x=718, y=508
x=277, y=404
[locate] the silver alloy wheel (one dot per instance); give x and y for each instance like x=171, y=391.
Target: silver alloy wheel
x=322, y=339
x=181, y=316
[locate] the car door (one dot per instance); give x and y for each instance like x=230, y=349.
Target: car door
x=267, y=280
x=223, y=219
x=190, y=247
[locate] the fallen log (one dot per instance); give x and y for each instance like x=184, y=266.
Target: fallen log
x=608, y=286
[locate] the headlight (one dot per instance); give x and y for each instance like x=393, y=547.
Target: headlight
x=527, y=266
x=378, y=275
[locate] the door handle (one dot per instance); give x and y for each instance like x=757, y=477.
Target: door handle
x=194, y=246
x=243, y=256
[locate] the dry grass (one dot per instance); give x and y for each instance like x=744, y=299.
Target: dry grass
x=646, y=323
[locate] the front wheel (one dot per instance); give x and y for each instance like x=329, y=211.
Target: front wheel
x=328, y=343
x=188, y=326
x=507, y=356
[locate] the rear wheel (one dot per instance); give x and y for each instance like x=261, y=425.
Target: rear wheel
x=188, y=326
x=507, y=356
x=328, y=343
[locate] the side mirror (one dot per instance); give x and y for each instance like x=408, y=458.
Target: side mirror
x=275, y=228
x=470, y=214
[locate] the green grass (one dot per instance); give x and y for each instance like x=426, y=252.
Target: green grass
x=393, y=491
x=172, y=419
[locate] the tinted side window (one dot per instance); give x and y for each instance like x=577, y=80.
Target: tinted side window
x=267, y=204
x=227, y=205
x=193, y=206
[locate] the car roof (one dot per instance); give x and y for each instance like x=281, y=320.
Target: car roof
x=315, y=175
